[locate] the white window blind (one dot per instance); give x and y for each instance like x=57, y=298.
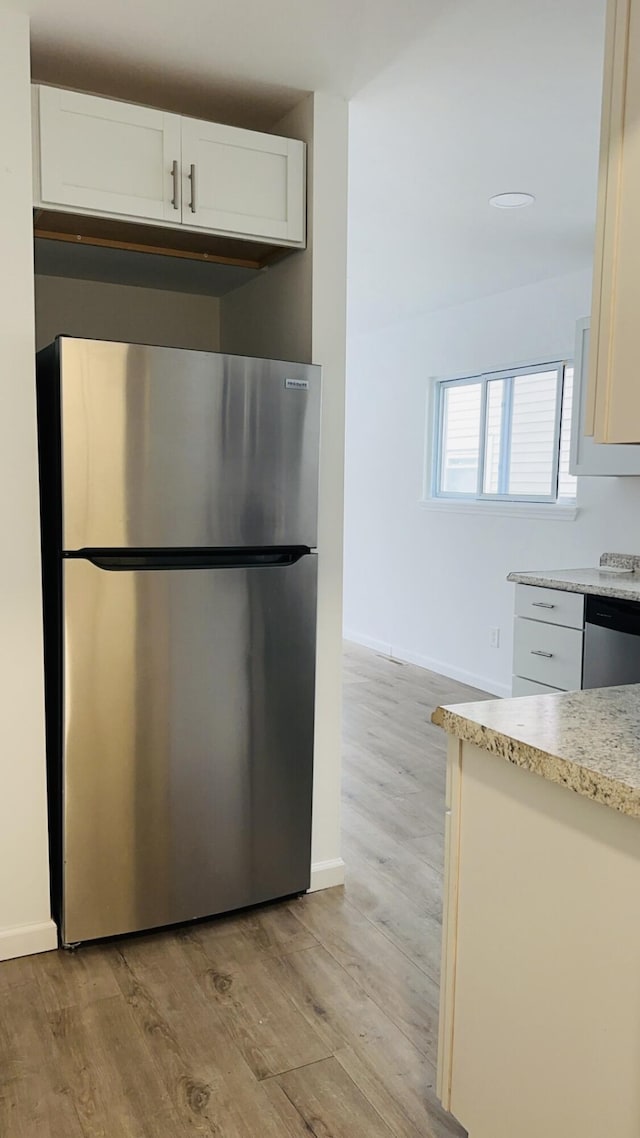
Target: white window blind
x=505, y=435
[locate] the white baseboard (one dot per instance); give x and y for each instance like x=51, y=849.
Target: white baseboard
x=25, y=940
x=367, y=641
x=326, y=874
x=451, y=671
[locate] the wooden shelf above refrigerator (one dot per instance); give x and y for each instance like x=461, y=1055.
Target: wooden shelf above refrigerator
x=160, y=240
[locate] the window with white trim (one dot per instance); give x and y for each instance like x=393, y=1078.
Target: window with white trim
x=505, y=436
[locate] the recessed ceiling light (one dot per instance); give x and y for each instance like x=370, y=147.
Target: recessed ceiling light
x=511, y=201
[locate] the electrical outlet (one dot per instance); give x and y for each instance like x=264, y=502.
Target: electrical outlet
x=494, y=637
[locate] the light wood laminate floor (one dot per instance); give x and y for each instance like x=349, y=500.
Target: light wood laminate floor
x=312, y=1017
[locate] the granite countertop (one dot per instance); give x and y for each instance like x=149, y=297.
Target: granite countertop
x=617, y=576
x=588, y=741
x=601, y=584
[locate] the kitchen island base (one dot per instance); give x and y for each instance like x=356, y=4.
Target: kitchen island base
x=540, y=1005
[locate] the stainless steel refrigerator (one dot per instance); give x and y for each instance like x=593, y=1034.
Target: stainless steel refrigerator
x=179, y=511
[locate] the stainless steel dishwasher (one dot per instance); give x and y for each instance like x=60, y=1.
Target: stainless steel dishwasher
x=611, y=642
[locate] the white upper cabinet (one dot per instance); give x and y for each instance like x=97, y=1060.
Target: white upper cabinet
x=110, y=159
x=242, y=181
x=107, y=157
x=588, y=456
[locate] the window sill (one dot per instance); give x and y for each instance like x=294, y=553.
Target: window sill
x=542, y=511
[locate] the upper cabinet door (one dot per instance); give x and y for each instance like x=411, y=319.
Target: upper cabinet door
x=613, y=404
x=242, y=182
x=588, y=456
x=102, y=156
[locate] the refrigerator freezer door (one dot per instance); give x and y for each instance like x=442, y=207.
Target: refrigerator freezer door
x=187, y=742
x=165, y=447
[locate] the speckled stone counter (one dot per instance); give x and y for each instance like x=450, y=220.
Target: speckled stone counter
x=617, y=576
x=588, y=741
x=595, y=581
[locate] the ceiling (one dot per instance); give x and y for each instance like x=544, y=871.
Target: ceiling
x=248, y=60
x=500, y=95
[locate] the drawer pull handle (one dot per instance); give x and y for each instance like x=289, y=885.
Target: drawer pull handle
x=542, y=605
x=539, y=652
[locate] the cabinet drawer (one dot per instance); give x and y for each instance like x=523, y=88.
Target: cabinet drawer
x=548, y=654
x=553, y=606
x=530, y=687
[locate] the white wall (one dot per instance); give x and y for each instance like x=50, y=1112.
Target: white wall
x=124, y=312
x=271, y=316
x=297, y=310
x=25, y=924
x=462, y=114
x=427, y=586
x=328, y=210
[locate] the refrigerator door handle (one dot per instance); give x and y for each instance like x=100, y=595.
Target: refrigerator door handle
x=121, y=560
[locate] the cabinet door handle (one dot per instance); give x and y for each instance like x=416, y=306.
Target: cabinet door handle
x=542, y=605
x=192, y=179
x=174, y=177
x=539, y=652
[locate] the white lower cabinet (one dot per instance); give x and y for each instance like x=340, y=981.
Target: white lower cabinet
x=530, y=687
x=551, y=606
x=548, y=654
x=548, y=640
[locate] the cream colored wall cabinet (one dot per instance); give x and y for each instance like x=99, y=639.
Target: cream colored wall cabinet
x=540, y=1001
x=613, y=404
x=113, y=159
x=588, y=457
